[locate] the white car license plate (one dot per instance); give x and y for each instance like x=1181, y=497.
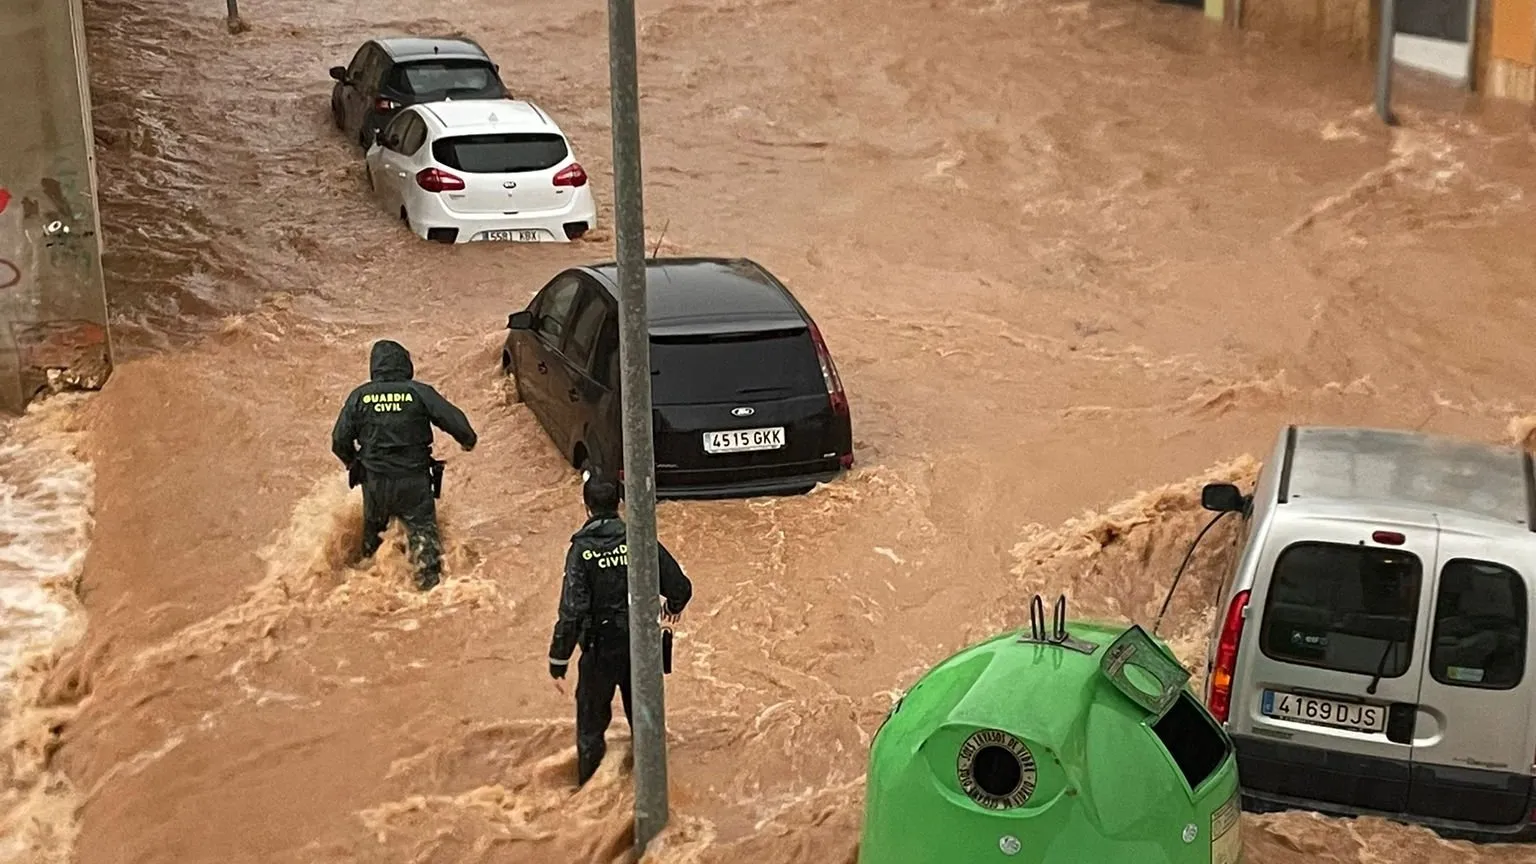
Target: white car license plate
x=744, y=440
x=1324, y=712
x=518, y=236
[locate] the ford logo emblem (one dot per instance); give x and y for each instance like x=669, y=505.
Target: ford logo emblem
x=509, y=185
x=743, y=411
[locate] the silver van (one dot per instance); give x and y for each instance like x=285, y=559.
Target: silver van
x=1370, y=649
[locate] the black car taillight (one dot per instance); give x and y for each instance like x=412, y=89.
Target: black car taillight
x=829, y=373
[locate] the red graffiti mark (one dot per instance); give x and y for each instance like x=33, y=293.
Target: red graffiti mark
x=9, y=275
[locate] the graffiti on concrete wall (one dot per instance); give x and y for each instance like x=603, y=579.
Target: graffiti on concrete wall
x=9, y=274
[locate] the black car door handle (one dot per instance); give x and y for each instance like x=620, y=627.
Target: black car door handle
x=543, y=367
x=575, y=396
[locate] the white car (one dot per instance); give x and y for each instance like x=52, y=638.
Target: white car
x=481, y=169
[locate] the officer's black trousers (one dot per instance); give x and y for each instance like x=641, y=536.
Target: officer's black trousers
x=408, y=498
x=600, y=670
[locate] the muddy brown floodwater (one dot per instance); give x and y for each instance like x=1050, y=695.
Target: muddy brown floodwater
x=1062, y=251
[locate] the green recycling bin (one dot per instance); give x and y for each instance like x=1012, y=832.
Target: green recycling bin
x=1078, y=746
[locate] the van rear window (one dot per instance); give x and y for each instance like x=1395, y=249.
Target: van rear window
x=739, y=367
x=1480, y=624
x=1345, y=608
x=501, y=153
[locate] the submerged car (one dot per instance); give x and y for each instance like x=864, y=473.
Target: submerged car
x=481, y=170
x=745, y=395
x=388, y=74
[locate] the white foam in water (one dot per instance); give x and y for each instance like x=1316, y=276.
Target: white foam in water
x=45, y=497
x=45, y=521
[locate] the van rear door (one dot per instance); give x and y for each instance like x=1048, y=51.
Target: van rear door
x=1472, y=748
x=1329, y=665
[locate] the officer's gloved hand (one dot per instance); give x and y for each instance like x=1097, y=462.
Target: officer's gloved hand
x=557, y=670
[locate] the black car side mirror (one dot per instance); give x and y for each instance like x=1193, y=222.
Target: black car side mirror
x=520, y=321
x=339, y=73
x=1223, y=498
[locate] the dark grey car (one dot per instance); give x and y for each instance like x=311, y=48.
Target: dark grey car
x=388, y=74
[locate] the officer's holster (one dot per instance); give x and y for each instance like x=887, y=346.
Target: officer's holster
x=436, y=473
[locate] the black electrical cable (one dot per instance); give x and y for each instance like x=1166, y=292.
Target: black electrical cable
x=1179, y=575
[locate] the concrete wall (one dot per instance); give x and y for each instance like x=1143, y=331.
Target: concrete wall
x=1346, y=27
x=53, y=309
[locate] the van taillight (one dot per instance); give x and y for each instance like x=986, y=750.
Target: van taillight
x=829, y=373
x=1220, y=703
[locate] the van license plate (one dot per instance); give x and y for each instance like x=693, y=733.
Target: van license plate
x=744, y=440
x=1324, y=712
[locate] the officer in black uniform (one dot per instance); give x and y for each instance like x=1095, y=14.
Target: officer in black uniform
x=594, y=611
x=391, y=417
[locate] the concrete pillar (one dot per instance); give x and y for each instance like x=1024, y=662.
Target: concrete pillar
x=53, y=310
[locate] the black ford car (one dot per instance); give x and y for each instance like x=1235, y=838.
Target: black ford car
x=746, y=398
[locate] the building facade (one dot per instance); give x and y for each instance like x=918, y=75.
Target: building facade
x=1485, y=45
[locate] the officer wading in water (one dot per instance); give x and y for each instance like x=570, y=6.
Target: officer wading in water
x=391, y=417
x=594, y=611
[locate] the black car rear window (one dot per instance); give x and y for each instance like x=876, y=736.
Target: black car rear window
x=463, y=79
x=1346, y=608
x=734, y=368
x=501, y=153
x=1480, y=624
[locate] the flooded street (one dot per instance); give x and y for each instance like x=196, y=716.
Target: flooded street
x=1071, y=258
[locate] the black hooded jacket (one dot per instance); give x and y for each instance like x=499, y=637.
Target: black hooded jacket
x=594, y=599
x=392, y=416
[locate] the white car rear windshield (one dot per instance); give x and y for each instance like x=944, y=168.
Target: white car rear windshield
x=502, y=153
x=1347, y=608
x=734, y=368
